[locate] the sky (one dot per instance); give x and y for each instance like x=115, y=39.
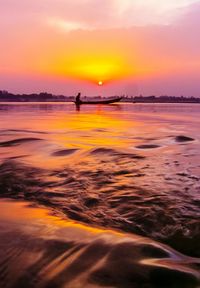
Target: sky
x=148, y=47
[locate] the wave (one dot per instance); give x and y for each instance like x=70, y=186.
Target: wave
x=19, y=141
x=104, y=197
x=64, y=152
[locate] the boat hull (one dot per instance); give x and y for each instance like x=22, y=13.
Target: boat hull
x=109, y=101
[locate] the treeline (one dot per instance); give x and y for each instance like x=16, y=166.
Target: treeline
x=165, y=99
x=5, y=96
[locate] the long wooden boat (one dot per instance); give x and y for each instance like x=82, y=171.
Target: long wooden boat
x=108, y=101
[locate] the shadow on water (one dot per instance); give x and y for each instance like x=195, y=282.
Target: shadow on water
x=98, y=107
x=50, y=107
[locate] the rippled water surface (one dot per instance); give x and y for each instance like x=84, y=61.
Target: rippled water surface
x=132, y=168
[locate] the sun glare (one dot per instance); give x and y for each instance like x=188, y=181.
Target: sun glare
x=98, y=71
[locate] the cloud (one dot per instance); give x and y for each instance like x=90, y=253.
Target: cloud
x=94, y=14
x=104, y=14
x=66, y=26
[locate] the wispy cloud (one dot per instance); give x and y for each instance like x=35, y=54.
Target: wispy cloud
x=95, y=14
x=66, y=26
x=104, y=14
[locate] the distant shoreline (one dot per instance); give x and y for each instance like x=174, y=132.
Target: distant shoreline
x=45, y=97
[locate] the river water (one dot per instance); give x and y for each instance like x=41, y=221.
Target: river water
x=132, y=169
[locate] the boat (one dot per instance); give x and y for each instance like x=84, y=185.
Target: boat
x=108, y=101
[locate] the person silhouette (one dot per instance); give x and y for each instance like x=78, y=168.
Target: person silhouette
x=78, y=100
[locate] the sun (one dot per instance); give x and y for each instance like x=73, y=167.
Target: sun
x=100, y=83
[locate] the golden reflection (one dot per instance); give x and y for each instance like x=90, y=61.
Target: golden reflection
x=84, y=130
x=23, y=211
x=98, y=128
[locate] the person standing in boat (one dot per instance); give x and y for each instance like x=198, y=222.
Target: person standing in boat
x=78, y=100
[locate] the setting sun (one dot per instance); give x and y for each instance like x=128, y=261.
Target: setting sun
x=97, y=68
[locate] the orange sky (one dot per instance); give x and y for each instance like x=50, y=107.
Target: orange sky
x=135, y=47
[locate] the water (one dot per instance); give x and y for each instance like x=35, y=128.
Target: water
x=132, y=168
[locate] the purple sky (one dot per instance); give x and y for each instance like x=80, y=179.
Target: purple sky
x=136, y=47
